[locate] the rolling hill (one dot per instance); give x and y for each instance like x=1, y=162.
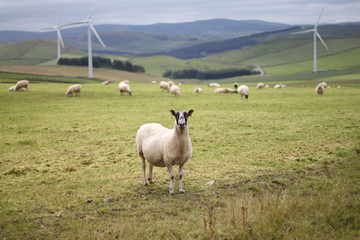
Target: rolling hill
x=32, y=52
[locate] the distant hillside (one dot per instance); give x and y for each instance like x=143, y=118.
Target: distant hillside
x=214, y=29
x=134, y=43
x=210, y=29
x=206, y=49
x=32, y=52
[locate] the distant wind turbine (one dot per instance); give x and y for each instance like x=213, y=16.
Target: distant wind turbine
x=316, y=34
x=59, y=38
x=90, y=29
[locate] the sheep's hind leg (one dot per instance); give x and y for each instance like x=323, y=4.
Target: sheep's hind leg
x=171, y=191
x=144, y=169
x=181, y=167
x=150, y=173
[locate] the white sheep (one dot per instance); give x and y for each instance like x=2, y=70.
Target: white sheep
x=76, y=88
x=282, y=85
x=260, y=85
x=319, y=89
x=277, y=86
x=214, y=85
x=197, y=90
x=243, y=90
x=171, y=83
x=164, y=85
x=153, y=82
x=106, y=83
x=324, y=84
x=163, y=147
x=22, y=84
x=124, y=88
x=175, y=90
x=224, y=90
x=126, y=81
x=12, y=89
x=267, y=86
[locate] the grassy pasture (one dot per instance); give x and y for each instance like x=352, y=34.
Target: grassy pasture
x=285, y=164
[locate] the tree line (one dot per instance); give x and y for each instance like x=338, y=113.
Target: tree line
x=100, y=62
x=203, y=75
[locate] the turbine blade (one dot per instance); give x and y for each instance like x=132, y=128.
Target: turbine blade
x=91, y=9
x=305, y=31
x=60, y=38
x=75, y=23
x=52, y=28
x=317, y=23
x=318, y=35
x=96, y=34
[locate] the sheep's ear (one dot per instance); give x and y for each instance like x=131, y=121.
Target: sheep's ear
x=173, y=112
x=190, y=112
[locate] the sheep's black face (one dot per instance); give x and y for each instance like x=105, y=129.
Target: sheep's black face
x=181, y=117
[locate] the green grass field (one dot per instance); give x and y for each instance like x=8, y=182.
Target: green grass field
x=285, y=164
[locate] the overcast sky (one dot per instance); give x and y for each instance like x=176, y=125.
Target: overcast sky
x=33, y=15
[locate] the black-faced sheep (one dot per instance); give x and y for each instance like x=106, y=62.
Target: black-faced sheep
x=243, y=90
x=163, y=147
x=124, y=88
x=76, y=88
x=319, y=89
x=197, y=90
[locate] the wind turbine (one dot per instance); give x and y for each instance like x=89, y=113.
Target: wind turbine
x=316, y=35
x=59, y=38
x=91, y=28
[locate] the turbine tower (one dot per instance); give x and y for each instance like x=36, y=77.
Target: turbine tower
x=316, y=35
x=91, y=28
x=59, y=38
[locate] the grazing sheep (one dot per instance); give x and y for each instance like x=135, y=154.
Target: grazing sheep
x=243, y=90
x=76, y=88
x=277, y=86
x=319, y=89
x=175, y=90
x=224, y=90
x=282, y=85
x=106, y=83
x=236, y=85
x=260, y=86
x=126, y=81
x=324, y=84
x=12, y=89
x=214, y=85
x=163, y=147
x=124, y=88
x=197, y=90
x=171, y=83
x=267, y=86
x=164, y=85
x=153, y=82
x=22, y=84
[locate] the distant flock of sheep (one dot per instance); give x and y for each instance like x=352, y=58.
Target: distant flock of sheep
x=170, y=86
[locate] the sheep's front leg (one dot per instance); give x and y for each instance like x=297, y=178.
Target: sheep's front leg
x=181, y=167
x=171, y=179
